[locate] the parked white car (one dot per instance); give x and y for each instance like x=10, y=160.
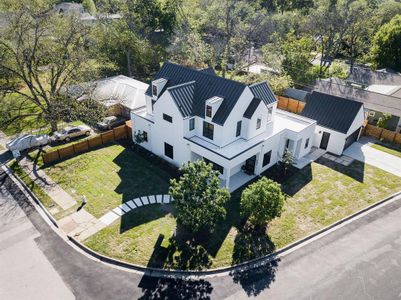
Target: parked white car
x=26, y=142
x=70, y=132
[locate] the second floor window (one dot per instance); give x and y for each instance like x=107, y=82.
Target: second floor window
x=258, y=123
x=269, y=114
x=168, y=118
x=208, y=111
x=154, y=90
x=208, y=130
x=307, y=143
x=191, y=124
x=238, y=131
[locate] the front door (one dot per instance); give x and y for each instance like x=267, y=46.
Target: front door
x=250, y=165
x=325, y=140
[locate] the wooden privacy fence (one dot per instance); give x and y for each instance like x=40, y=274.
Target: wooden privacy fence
x=383, y=134
x=290, y=104
x=118, y=133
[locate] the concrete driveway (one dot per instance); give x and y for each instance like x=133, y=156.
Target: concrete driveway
x=362, y=151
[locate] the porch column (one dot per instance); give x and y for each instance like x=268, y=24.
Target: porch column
x=228, y=175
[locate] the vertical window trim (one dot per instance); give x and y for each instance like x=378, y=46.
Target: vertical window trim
x=267, y=161
x=258, y=123
x=238, y=129
x=306, y=143
x=166, y=146
x=208, y=130
x=209, y=111
x=191, y=124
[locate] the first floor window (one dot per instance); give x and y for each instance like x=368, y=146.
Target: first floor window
x=307, y=143
x=287, y=144
x=238, y=132
x=168, y=150
x=258, y=123
x=191, y=124
x=266, y=158
x=145, y=136
x=216, y=167
x=208, y=130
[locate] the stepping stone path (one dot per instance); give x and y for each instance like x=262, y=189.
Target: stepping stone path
x=119, y=211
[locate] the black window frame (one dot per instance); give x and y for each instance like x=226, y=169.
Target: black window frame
x=216, y=167
x=153, y=105
x=267, y=158
x=168, y=150
x=154, y=90
x=287, y=143
x=209, y=111
x=238, y=130
x=306, y=143
x=208, y=130
x=258, y=123
x=168, y=118
x=191, y=124
x=145, y=136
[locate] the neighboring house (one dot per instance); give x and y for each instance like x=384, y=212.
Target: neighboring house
x=194, y=114
x=339, y=121
x=379, y=91
x=78, y=9
x=120, y=94
x=296, y=94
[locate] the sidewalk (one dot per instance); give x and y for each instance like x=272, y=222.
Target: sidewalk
x=62, y=198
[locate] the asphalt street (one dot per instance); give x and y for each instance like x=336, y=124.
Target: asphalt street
x=361, y=260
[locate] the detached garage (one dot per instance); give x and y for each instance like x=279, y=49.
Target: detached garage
x=339, y=121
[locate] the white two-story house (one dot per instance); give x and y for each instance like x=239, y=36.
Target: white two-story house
x=194, y=114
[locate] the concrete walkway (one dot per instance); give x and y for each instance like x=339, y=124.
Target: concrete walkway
x=61, y=197
x=309, y=158
x=362, y=151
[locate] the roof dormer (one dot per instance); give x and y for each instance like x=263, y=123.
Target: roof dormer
x=212, y=105
x=157, y=86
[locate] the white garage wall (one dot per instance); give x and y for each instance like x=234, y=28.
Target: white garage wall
x=336, y=141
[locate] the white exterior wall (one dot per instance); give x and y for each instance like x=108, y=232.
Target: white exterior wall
x=336, y=141
x=358, y=122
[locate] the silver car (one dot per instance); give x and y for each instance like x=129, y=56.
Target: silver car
x=25, y=142
x=70, y=132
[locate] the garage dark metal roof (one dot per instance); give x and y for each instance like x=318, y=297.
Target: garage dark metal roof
x=262, y=91
x=330, y=111
x=205, y=86
x=252, y=108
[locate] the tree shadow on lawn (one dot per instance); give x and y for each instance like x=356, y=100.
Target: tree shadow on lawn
x=171, y=288
x=356, y=170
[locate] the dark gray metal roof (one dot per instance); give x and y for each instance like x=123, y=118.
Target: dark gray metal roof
x=183, y=96
x=252, y=108
x=296, y=94
x=206, y=86
x=208, y=70
x=262, y=91
x=330, y=111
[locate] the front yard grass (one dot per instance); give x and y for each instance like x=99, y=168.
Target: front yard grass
x=108, y=177
x=388, y=150
x=318, y=195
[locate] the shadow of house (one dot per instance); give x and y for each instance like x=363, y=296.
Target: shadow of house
x=163, y=288
x=356, y=170
x=140, y=177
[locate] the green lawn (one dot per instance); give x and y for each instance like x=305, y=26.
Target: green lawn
x=317, y=196
x=108, y=177
x=387, y=149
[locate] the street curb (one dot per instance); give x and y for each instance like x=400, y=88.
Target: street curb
x=157, y=272
x=245, y=266
x=17, y=181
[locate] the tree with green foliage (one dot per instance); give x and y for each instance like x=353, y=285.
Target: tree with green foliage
x=383, y=120
x=199, y=199
x=89, y=6
x=386, y=49
x=262, y=201
x=286, y=160
x=42, y=54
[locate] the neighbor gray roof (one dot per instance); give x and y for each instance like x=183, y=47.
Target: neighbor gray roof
x=296, y=94
x=332, y=112
x=252, y=108
x=366, y=76
x=371, y=100
x=262, y=91
x=205, y=87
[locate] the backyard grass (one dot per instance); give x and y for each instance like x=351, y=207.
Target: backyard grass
x=108, y=177
x=318, y=195
x=388, y=150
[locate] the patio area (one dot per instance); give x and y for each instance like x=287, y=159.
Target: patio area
x=237, y=180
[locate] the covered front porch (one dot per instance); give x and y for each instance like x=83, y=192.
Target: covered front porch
x=237, y=180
